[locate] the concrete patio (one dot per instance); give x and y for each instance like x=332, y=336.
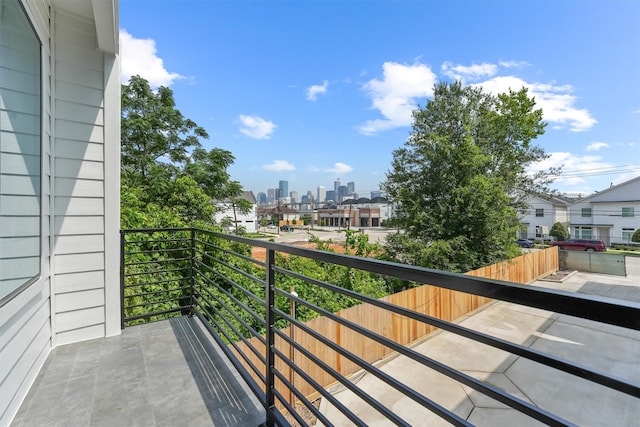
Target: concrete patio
x=607, y=348
x=171, y=374
x=168, y=373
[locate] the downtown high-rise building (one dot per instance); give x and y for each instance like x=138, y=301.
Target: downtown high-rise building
x=283, y=186
x=322, y=195
x=351, y=187
x=294, y=197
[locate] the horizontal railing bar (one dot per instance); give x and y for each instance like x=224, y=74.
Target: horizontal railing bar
x=155, y=313
x=238, y=318
x=234, y=360
x=234, y=284
x=353, y=417
x=157, y=251
x=151, y=303
x=163, y=291
x=253, y=385
x=339, y=377
x=236, y=269
x=582, y=371
x=158, y=261
x=154, y=230
x=232, y=253
x=489, y=390
x=157, y=282
x=290, y=408
x=407, y=391
x=591, y=307
x=169, y=270
x=234, y=343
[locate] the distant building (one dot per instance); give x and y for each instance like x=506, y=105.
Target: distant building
x=294, y=196
x=322, y=195
x=227, y=212
x=271, y=195
x=376, y=194
x=283, y=186
x=351, y=187
x=262, y=198
x=336, y=185
x=342, y=192
x=331, y=196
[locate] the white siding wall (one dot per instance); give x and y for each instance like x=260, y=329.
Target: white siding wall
x=25, y=321
x=78, y=170
x=76, y=297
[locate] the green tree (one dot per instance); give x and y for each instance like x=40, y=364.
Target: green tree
x=559, y=231
x=154, y=133
x=461, y=178
x=163, y=163
x=636, y=236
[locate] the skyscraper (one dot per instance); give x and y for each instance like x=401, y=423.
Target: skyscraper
x=336, y=185
x=322, y=195
x=284, y=188
x=351, y=187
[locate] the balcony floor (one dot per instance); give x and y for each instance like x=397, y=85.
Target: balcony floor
x=167, y=373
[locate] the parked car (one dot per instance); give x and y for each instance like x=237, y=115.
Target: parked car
x=271, y=226
x=581, y=245
x=525, y=243
x=286, y=228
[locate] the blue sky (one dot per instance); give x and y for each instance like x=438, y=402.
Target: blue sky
x=311, y=91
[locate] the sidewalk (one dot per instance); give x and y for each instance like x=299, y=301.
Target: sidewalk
x=607, y=348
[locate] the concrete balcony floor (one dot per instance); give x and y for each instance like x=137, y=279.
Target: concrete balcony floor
x=168, y=373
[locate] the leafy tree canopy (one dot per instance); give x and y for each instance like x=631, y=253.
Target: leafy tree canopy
x=163, y=162
x=559, y=231
x=461, y=177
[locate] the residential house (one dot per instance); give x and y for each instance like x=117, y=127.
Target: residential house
x=611, y=215
x=226, y=211
x=540, y=215
x=285, y=215
x=59, y=181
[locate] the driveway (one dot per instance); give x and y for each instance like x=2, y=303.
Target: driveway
x=607, y=348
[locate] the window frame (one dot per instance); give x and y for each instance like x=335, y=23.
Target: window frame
x=584, y=214
x=40, y=127
x=539, y=212
x=628, y=212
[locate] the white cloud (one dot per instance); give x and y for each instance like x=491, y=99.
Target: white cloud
x=256, y=127
x=575, y=169
x=340, y=169
x=279, y=166
x=139, y=57
x=469, y=73
x=595, y=146
x=557, y=102
x=337, y=169
x=513, y=64
x=396, y=95
x=314, y=90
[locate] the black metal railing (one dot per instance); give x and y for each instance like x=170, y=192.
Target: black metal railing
x=242, y=300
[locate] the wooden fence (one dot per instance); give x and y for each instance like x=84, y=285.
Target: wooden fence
x=433, y=301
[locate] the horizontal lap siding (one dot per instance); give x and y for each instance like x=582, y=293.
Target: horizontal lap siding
x=25, y=321
x=78, y=167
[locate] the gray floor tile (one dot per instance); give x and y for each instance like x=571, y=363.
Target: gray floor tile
x=157, y=374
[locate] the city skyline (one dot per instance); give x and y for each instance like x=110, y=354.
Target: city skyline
x=310, y=91
x=319, y=194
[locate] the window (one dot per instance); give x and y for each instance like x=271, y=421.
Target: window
x=626, y=234
x=628, y=212
x=585, y=232
x=586, y=212
x=539, y=213
x=20, y=122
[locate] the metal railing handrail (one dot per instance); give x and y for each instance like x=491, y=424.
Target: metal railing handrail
x=591, y=307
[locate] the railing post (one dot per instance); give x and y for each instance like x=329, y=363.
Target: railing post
x=192, y=298
x=122, y=244
x=270, y=357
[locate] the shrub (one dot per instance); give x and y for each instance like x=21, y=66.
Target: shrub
x=559, y=231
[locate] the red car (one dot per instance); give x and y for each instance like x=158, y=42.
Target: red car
x=581, y=245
